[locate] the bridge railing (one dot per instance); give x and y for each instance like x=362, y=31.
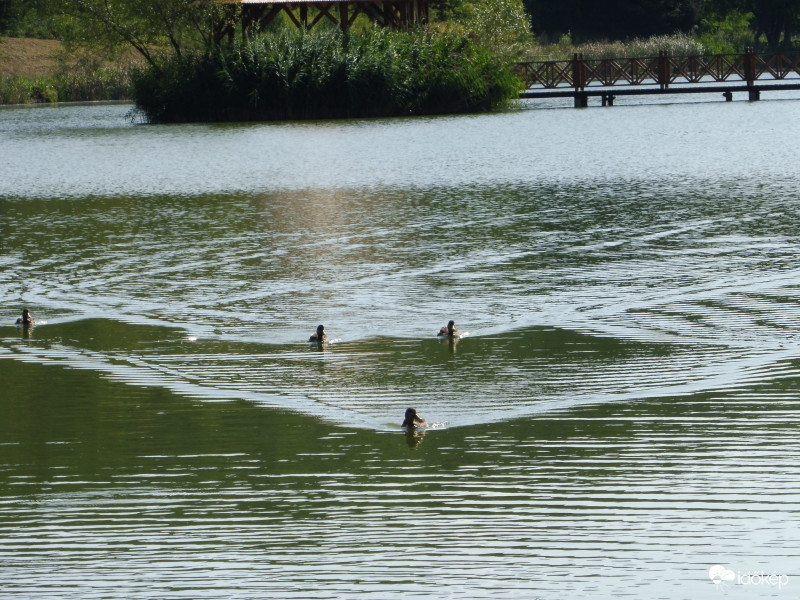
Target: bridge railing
x=663, y=70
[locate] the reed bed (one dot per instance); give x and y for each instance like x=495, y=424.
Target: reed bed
x=678, y=44
x=301, y=75
x=67, y=86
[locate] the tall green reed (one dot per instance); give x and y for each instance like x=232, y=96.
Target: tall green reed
x=301, y=75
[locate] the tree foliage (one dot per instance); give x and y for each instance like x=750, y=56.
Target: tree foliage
x=8, y=14
x=776, y=18
x=722, y=23
x=503, y=26
x=726, y=33
x=611, y=19
x=169, y=27
x=152, y=27
x=18, y=19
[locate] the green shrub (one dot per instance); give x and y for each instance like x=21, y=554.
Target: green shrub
x=300, y=75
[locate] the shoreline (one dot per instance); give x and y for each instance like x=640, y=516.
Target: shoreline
x=66, y=103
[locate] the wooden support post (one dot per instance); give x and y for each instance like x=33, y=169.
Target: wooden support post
x=388, y=14
x=750, y=75
x=579, y=81
x=663, y=68
x=247, y=23
x=728, y=95
x=749, y=67
x=691, y=68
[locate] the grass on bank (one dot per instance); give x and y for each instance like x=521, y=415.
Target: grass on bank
x=299, y=75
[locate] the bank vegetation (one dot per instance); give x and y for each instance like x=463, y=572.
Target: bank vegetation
x=148, y=49
x=294, y=74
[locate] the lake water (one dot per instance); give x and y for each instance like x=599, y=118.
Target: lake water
x=620, y=419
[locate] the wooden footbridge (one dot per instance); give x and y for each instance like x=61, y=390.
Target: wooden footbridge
x=607, y=78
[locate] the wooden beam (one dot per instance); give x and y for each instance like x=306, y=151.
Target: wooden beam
x=376, y=12
x=270, y=16
x=322, y=12
x=288, y=10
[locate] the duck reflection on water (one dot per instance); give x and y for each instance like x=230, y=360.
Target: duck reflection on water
x=26, y=323
x=414, y=437
x=450, y=335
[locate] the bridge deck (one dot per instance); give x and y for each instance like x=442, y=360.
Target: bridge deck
x=663, y=74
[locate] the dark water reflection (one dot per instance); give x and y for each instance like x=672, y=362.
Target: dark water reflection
x=621, y=416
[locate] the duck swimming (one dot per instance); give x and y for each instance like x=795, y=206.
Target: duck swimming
x=413, y=419
x=450, y=330
x=26, y=318
x=320, y=336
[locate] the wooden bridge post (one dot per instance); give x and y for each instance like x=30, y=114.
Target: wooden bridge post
x=579, y=81
x=753, y=94
x=664, y=73
x=749, y=60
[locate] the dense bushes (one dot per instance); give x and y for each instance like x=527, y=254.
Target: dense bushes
x=299, y=75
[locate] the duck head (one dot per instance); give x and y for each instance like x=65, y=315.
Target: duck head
x=412, y=418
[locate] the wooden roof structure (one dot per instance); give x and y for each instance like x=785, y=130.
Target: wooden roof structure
x=257, y=14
